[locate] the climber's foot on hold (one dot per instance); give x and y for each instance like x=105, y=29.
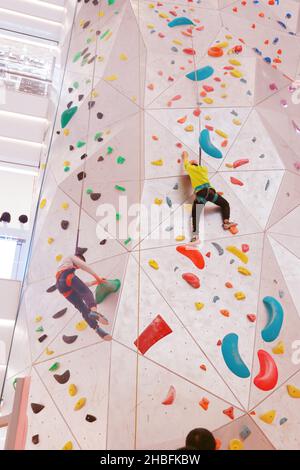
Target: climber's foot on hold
x=195, y=240
x=99, y=317
x=103, y=334
x=227, y=224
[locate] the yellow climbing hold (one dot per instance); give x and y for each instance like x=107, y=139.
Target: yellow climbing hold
x=229, y=165
x=177, y=42
x=43, y=166
x=151, y=5
x=58, y=258
x=180, y=238
x=208, y=100
x=236, y=444
x=268, y=417
x=234, y=62
x=82, y=325
x=278, y=348
x=222, y=44
x=49, y=352
x=50, y=240
x=236, y=73
x=38, y=318
x=223, y=85
x=153, y=264
x=67, y=163
x=123, y=56
x=80, y=404
x=101, y=14
x=65, y=206
x=159, y=162
x=293, y=391
x=238, y=253
x=221, y=133
x=72, y=390
x=244, y=271
x=228, y=36
x=236, y=122
x=189, y=128
x=66, y=132
x=111, y=78
x=224, y=95
x=68, y=446
x=239, y=295
x=43, y=203
x=94, y=94
x=158, y=201
x=207, y=117
x=199, y=305
x=150, y=26
x=163, y=15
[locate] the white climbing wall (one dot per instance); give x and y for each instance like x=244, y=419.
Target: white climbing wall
x=222, y=354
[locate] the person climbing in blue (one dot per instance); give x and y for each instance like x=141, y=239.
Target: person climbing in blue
x=79, y=294
x=204, y=193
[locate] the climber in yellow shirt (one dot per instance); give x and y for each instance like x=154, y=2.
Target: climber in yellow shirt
x=204, y=193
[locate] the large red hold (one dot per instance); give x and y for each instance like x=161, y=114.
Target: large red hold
x=193, y=254
x=154, y=332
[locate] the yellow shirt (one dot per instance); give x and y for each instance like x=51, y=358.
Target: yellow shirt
x=198, y=174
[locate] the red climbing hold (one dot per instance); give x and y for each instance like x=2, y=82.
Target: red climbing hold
x=189, y=51
x=251, y=317
x=236, y=181
x=245, y=248
x=192, y=280
x=154, y=332
x=170, y=398
x=268, y=375
x=193, y=254
x=229, y=412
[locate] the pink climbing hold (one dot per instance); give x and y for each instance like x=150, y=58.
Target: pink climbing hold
x=245, y=248
x=176, y=98
x=236, y=181
x=192, y=280
x=193, y=254
x=170, y=398
x=189, y=51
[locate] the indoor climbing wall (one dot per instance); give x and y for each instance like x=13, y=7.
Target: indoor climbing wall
x=202, y=337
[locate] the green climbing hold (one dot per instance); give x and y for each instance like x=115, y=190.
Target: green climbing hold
x=104, y=34
x=118, y=216
x=14, y=384
x=67, y=116
x=76, y=85
x=120, y=160
x=40, y=329
x=109, y=150
x=127, y=241
x=111, y=2
x=89, y=191
x=76, y=57
x=80, y=144
x=98, y=135
x=120, y=188
x=66, y=168
x=107, y=288
x=54, y=367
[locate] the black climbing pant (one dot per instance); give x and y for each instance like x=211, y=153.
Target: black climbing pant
x=201, y=198
x=78, y=294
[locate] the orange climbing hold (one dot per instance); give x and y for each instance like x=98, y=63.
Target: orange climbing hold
x=192, y=280
x=215, y=51
x=225, y=313
x=170, y=398
x=204, y=403
x=193, y=254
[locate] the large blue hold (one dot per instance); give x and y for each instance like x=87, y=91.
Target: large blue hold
x=208, y=146
x=181, y=21
x=232, y=356
x=201, y=74
x=275, y=319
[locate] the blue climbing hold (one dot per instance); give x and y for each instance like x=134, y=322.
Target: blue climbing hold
x=201, y=74
x=181, y=21
x=275, y=319
x=232, y=356
x=207, y=145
